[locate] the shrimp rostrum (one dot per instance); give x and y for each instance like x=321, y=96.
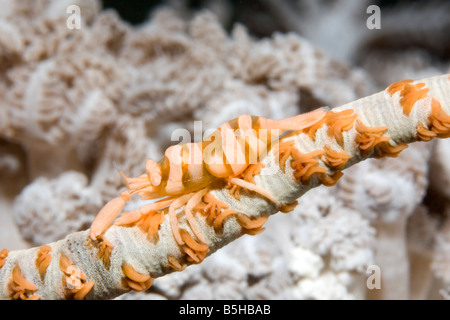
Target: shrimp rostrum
x=229, y=157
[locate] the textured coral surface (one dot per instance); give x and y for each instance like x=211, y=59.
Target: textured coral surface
x=78, y=105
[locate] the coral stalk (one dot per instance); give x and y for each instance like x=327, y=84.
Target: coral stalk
x=155, y=240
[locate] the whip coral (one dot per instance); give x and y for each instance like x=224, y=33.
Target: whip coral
x=134, y=259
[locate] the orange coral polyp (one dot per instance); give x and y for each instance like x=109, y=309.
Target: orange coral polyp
x=195, y=251
x=192, y=256
x=424, y=134
x=175, y=264
x=286, y=208
x=83, y=291
x=132, y=274
x=330, y=181
x=311, y=130
x=3, y=255
x=368, y=141
x=211, y=207
x=338, y=122
x=306, y=164
x=43, y=260
x=149, y=224
x=398, y=86
x=335, y=159
x=361, y=128
x=251, y=226
x=372, y=139
x=73, y=280
x=409, y=93
x=104, y=251
x=21, y=288
x=369, y=137
x=248, y=223
x=284, y=150
x=220, y=219
x=191, y=243
x=385, y=149
x=440, y=121
x=134, y=280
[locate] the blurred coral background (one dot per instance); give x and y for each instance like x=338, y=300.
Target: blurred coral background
x=78, y=105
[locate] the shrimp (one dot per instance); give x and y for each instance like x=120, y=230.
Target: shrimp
x=230, y=154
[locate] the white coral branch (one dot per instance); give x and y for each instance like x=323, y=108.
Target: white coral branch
x=382, y=125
